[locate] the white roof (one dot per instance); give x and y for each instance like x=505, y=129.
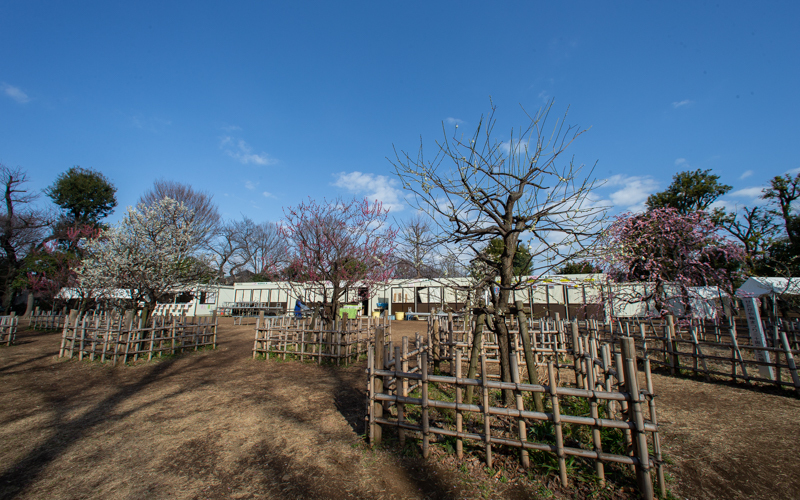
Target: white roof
x=757, y=286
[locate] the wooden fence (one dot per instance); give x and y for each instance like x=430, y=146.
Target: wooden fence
x=305, y=338
x=712, y=349
x=8, y=329
x=53, y=320
x=403, y=393
x=126, y=338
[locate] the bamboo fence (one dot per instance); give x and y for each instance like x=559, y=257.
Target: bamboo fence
x=405, y=394
x=713, y=349
x=305, y=338
x=53, y=320
x=8, y=329
x=109, y=336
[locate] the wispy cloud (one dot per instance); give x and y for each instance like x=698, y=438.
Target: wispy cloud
x=746, y=174
x=454, y=121
x=239, y=150
x=267, y=194
x=681, y=161
x=680, y=104
x=150, y=124
x=374, y=187
x=250, y=185
x=750, y=192
x=633, y=191
x=544, y=96
x=15, y=93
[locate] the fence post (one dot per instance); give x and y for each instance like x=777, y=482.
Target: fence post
x=378, y=382
x=789, y=360
x=425, y=419
x=640, y=437
x=672, y=346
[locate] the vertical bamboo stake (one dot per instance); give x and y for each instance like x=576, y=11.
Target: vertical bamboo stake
x=371, y=394
x=399, y=377
x=562, y=461
x=640, y=438
x=487, y=425
x=624, y=406
x=656, y=439
x=477, y=348
x=698, y=353
x=674, y=362
x=459, y=401
x=378, y=381
x=598, y=448
x=425, y=419
x=789, y=360
x=403, y=386
x=523, y=433
x=738, y=351
x=577, y=352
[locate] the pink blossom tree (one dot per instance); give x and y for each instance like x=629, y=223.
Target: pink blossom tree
x=337, y=245
x=668, y=250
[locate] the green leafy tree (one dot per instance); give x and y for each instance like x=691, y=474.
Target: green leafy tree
x=522, y=257
x=582, y=267
x=84, y=195
x=689, y=192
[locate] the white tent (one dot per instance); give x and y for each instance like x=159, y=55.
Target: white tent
x=757, y=286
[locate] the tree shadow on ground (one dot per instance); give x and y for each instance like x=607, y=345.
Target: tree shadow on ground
x=67, y=432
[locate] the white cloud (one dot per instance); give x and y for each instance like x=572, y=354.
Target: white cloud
x=634, y=191
x=794, y=171
x=453, y=121
x=746, y=174
x=239, y=150
x=374, y=187
x=267, y=194
x=679, y=104
x=250, y=185
x=751, y=192
x=680, y=161
x=15, y=93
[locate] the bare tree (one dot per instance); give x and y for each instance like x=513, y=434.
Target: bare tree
x=22, y=227
x=477, y=188
x=416, y=252
x=226, y=247
x=204, y=211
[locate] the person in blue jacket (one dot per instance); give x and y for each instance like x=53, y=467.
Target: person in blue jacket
x=298, y=309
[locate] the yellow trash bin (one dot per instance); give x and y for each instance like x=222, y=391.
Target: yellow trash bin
x=376, y=314
x=399, y=316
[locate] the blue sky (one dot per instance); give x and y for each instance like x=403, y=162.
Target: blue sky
x=265, y=103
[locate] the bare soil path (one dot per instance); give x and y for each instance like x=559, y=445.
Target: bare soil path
x=217, y=424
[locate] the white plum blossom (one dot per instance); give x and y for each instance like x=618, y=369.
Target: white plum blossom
x=152, y=251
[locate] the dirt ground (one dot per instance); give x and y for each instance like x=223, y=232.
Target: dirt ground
x=217, y=424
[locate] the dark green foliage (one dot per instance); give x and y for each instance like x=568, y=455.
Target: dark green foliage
x=522, y=257
x=84, y=195
x=689, y=192
x=583, y=267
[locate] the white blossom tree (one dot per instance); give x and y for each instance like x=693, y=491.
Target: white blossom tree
x=154, y=250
